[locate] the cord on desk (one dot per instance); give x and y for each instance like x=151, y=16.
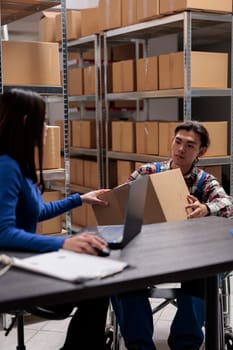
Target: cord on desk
x=5, y=260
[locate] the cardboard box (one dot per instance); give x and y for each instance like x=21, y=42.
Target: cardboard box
x=147, y=74
x=114, y=213
x=123, y=76
x=217, y=132
x=165, y=200
x=166, y=132
x=83, y=133
x=89, y=56
x=123, y=136
x=166, y=197
x=79, y=216
x=208, y=70
x=75, y=81
x=60, y=123
x=91, y=219
x=73, y=25
x=218, y=138
x=73, y=57
x=52, y=225
x=147, y=9
x=124, y=169
x=147, y=137
x=89, y=21
x=125, y=52
x=128, y=12
x=91, y=179
x=77, y=171
x=127, y=104
x=52, y=149
x=109, y=14
x=89, y=77
x=168, y=6
x=37, y=63
x=47, y=26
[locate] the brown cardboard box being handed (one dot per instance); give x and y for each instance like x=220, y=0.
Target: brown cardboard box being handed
x=165, y=200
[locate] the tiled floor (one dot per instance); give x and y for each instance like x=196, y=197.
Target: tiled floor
x=49, y=335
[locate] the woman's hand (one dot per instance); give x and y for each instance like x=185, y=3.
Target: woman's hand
x=195, y=209
x=84, y=243
x=92, y=197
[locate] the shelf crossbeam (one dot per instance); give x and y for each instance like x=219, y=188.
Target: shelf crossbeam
x=166, y=25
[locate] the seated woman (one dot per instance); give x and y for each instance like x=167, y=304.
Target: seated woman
x=22, y=129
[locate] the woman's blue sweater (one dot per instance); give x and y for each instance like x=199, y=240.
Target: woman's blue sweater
x=22, y=207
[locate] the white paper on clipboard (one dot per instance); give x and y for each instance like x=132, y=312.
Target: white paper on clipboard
x=70, y=266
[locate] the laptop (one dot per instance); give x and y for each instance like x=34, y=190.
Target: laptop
x=118, y=236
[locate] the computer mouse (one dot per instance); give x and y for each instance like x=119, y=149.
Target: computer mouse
x=102, y=252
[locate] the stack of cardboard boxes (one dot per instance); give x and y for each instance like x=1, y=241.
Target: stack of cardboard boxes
x=112, y=14
x=154, y=137
x=36, y=59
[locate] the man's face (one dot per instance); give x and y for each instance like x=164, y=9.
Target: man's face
x=185, y=148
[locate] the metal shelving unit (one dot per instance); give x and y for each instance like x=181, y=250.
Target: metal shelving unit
x=82, y=45
x=189, y=26
x=12, y=10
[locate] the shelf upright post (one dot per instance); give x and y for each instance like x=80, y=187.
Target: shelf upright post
x=146, y=49
x=106, y=109
x=66, y=111
x=98, y=108
x=82, y=104
x=187, y=65
x=231, y=121
x=145, y=45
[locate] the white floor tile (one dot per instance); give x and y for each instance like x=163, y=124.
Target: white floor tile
x=168, y=313
x=46, y=340
x=56, y=326
x=9, y=342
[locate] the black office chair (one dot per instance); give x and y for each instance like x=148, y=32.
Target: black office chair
x=47, y=313
x=50, y=313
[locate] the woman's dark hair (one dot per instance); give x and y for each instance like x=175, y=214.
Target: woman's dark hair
x=22, y=117
x=196, y=127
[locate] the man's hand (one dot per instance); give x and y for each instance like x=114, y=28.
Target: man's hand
x=198, y=209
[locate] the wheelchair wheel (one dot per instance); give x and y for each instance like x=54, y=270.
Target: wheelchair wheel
x=228, y=341
x=109, y=336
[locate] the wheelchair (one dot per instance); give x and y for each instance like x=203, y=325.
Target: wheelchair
x=168, y=296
